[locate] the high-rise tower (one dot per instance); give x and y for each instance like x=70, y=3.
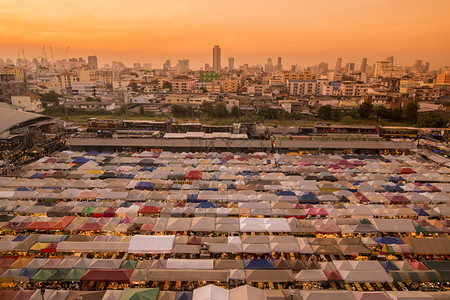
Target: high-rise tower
x=216, y=58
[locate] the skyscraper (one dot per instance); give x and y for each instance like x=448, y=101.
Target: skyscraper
x=231, y=63
x=338, y=67
x=363, y=68
x=183, y=65
x=391, y=60
x=92, y=62
x=216, y=58
x=279, y=64
x=269, y=65
x=167, y=65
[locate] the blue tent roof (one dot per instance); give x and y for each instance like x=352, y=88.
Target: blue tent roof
x=265, y=264
x=387, y=240
x=25, y=189
x=231, y=186
x=192, y=198
x=146, y=168
x=183, y=296
x=308, y=198
x=396, y=178
x=421, y=212
x=20, y=238
x=285, y=193
x=389, y=266
x=80, y=160
x=206, y=205
x=145, y=185
x=28, y=272
x=125, y=204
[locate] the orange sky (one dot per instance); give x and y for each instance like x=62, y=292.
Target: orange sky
x=302, y=32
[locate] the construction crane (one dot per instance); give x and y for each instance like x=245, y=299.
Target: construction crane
x=67, y=52
x=44, y=54
x=53, y=59
x=24, y=59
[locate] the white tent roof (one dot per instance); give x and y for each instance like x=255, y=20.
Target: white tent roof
x=151, y=244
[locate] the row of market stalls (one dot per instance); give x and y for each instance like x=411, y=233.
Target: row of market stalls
x=181, y=208
x=304, y=194
x=75, y=269
x=244, y=292
x=207, y=223
x=37, y=244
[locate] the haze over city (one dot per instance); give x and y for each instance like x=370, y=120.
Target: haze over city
x=302, y=32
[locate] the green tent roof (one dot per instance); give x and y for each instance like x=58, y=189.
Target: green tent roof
x=140, y=294
x=75, y=275
x=43, y=275
x=128, y=264
x=59, y=275
x=88, y=210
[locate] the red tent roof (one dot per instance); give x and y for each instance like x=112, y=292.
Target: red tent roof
x=90, y=227
x=193, y=175
x=151, y=210
x=115, y=275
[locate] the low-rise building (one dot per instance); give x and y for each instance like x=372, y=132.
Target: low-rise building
x=28, y=101
x=91, y=105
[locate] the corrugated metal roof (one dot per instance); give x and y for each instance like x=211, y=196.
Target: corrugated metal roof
x=11, y=117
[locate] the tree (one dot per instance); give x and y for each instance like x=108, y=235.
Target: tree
x=412, y=112
x=89, y=99
x=336, y=115
x=396, y=114
x=167, y=85
x=325, y=112
x=432, y=120
x=189, y=111
x=206, y=109
x=365, y=110
x=50, y=97
x=347, y=120
x=134, y=87
x=178, y=110
x=382, y=112
x=141, y=110
x=220, y=111
x=235, y=111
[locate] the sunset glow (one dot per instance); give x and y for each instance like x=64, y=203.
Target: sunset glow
x=302, y=32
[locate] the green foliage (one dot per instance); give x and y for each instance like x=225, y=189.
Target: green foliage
x=189, y=112
x=348, y=120
x=121, y=111
x=382, y=112
x=268, y=113
x=178, y=110
x=397, y=114
x=142, y=110
x=220, y=111
x=336, y=115
x=206, y=109
x=432, y=120
x=97, y=99
x=167, y=85
x=134, y=87
x=325, y=112
x=412, y=112
x=50, y=97
x=235, y=111
x=365, y=110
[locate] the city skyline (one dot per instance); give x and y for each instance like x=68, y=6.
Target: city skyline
x=310, y=32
